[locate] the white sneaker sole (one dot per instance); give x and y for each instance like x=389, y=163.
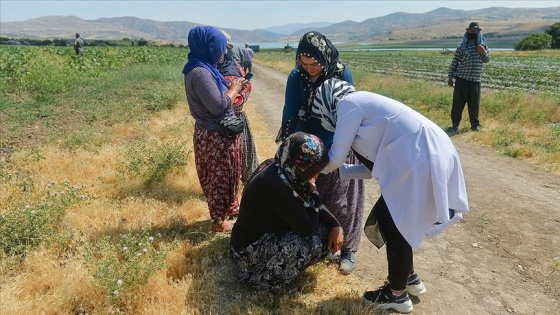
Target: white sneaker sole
x=405, y=307
x=416, y=289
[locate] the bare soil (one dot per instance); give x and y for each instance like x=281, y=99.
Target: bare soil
x=503, y=258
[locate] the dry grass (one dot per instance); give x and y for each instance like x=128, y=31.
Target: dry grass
x=196, y=278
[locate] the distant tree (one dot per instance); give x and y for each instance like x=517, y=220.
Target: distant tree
x=554, y=31
x=142, y=42
x=534, y=42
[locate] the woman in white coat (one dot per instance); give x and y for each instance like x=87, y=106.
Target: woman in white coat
x=417, y=167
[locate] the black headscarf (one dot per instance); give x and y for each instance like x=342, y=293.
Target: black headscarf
x=315, y=45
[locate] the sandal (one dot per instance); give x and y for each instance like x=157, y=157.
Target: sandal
x=224, y=227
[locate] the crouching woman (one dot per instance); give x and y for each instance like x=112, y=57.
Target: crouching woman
x=282, y=227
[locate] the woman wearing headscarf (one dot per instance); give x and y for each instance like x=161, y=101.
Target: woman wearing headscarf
x=418, y=170
x=217, y=157
x=316, y=61
x=230, y=69
x=283, y=227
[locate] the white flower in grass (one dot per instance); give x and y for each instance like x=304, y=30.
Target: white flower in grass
x=125, y=248
x=145, y=250
x=120, y=282
x=151, y=238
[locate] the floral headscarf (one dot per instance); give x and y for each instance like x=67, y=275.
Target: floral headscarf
x=207, y=45
x=315, y=45
x=326, y=99
x=300, y=157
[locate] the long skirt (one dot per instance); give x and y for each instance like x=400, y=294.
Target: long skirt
x=276, y=259
x=345, y=199
x=218, y=165
x=249, y=159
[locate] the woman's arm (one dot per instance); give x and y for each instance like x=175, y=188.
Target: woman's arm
x=292, y=99
x=348, y=121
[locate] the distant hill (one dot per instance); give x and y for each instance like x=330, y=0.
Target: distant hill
x=440, y=25
x=294, y=27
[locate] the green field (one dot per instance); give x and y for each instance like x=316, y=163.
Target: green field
x=101, y=211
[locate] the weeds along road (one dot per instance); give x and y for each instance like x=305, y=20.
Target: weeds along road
x=503, y=258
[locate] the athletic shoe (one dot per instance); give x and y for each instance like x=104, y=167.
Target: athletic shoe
x=414, y=285
x=384, y=299
x=347, y=262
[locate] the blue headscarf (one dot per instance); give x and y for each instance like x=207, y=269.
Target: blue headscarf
x=480, y=40
x=207, y=45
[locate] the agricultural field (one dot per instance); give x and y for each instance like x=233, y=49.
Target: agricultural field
x=523, y=71
x=100, y=207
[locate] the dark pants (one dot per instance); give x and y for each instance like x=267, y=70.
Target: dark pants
x=248, y=66
x=399, y=252
x=466, y=92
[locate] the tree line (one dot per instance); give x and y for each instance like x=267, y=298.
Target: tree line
x=549, y=39
x=90, y=42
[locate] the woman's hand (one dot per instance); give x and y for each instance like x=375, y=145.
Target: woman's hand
x=336, y=238
x=235, y=87
x=312, y=185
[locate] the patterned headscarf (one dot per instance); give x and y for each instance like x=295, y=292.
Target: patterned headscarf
x=207, y=45
x=315, y=45
x=299, y=158
x=326, y=100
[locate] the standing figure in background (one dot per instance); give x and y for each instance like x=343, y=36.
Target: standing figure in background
x=248, y=55
x=217, y=156
x=423, y=189
x=233, y=50
x=230, y=70
x=316, y=61
x=466, y=68
x=79, y=45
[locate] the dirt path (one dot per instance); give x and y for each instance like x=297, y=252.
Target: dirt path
x=503, y=258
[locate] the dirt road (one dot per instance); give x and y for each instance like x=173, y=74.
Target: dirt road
x=503, y=258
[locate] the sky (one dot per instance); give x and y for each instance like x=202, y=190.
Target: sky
x=243, y=15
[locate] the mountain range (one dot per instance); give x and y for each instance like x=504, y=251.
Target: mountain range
x=501, y=24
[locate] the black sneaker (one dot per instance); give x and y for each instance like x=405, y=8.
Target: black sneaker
x=453, y=130
x=414, y=285
x=384, y=299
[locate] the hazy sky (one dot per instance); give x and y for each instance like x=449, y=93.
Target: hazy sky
x=245, y=15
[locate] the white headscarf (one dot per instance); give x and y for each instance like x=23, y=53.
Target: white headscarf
x=326, y=99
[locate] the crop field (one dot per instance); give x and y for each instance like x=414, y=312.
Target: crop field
x=525, y=71
x=100, y=207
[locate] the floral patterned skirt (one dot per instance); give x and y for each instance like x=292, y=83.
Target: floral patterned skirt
x=345, y=199
x=276, y=259
x=218, y=165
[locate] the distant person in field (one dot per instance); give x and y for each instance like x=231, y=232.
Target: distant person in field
x=248, y=55
x=79, y=45
x=316, y=61
x=417, y=167
x=466, y=69
x=283, y=227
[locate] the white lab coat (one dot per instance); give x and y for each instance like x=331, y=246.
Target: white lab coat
x=415, y=162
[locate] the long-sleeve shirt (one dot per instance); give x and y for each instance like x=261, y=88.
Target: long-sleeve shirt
x=207, y=104
x=467, y=62
x=248, y=54
x=268, y=205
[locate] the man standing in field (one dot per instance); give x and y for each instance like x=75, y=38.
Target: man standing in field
x=466, y=69
x=79, y=45
x=248, y=54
